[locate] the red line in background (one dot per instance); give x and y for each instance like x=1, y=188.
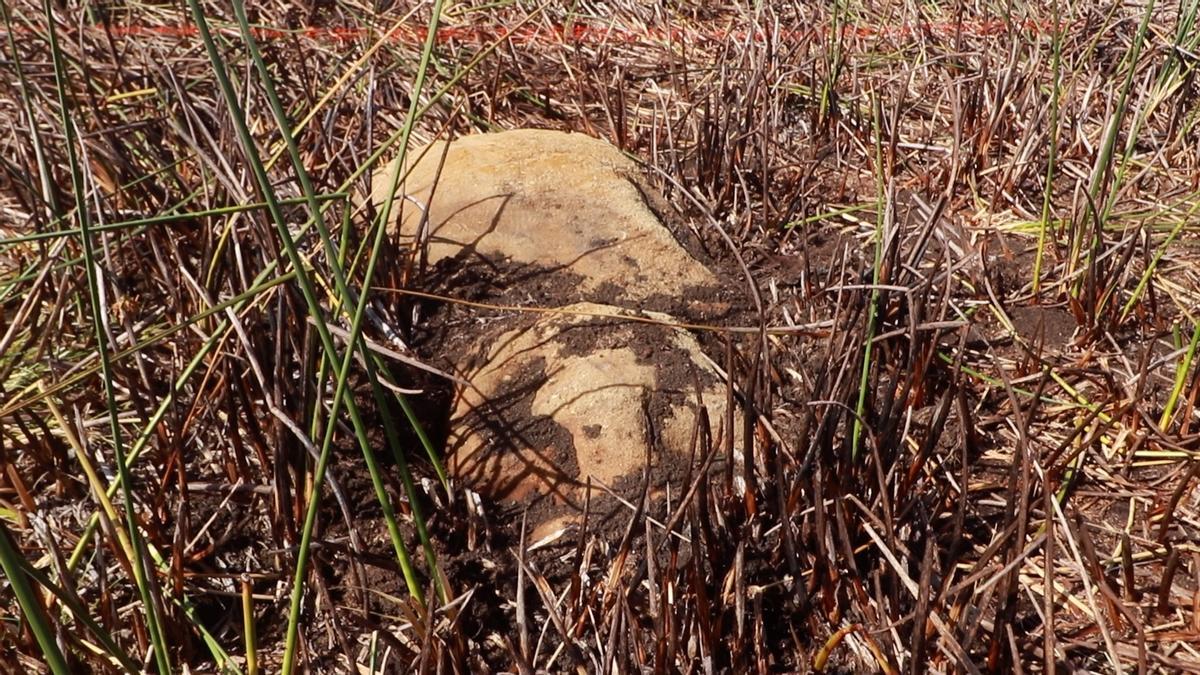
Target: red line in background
x=581, y=32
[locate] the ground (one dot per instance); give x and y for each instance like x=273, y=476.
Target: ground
x=961, y=238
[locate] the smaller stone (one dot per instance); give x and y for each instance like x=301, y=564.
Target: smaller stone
x=577, y=394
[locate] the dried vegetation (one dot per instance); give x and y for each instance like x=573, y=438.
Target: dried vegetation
x=980, y=452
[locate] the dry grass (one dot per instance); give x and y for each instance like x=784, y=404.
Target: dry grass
x=990, y=455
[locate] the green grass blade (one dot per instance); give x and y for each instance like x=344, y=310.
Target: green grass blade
x=142, y=573
x=31, y=606
x=1181, y=377
x=881, y=206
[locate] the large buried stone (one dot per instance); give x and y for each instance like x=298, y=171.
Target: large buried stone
x=578, y=393
x=585, y=390
x=549, y=200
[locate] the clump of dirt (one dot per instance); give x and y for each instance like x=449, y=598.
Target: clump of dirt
x=1052, y=327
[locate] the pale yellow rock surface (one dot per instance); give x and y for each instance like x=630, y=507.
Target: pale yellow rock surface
x=572, y=396
x=557, y=200
x=547, y=218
